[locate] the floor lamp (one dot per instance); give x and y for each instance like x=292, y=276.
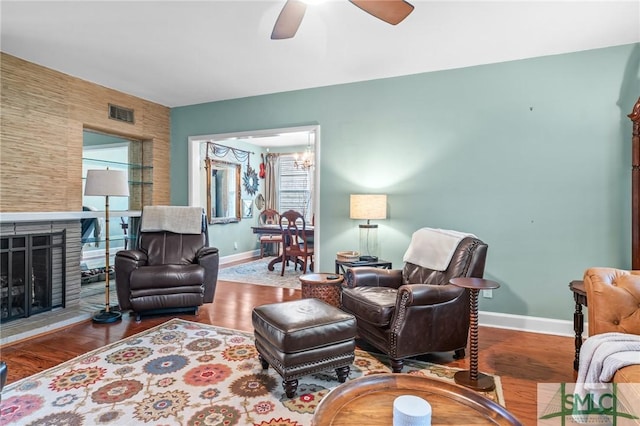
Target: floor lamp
x=368, y=206
x=107, y=183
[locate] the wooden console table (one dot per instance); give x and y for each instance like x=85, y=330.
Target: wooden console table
x=580, y=297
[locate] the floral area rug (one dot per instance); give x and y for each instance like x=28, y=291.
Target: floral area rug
x=256, y=272
x=180, y=373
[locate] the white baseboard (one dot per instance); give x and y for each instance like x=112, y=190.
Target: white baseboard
x=239, y=256
x=486, y=319
x=530, y=324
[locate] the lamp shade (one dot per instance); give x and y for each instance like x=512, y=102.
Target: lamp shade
x=106, y=182
x=368, y=206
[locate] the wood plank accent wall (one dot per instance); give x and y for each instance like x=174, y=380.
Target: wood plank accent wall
x=43, y=114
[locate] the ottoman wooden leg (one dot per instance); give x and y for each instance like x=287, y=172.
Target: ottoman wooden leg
x=290, y=387
x=343, y=373
x=263, y=362
x=396, y=365
x=458, y=354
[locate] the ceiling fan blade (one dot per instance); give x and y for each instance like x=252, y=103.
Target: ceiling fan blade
x=390, y=11
x=289, y=20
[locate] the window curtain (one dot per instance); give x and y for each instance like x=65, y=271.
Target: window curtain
x=311, y=217
x=271, y=182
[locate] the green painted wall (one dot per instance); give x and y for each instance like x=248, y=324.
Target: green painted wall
x=532, y=156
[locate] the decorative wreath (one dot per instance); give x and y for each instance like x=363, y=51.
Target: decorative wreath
x=250, y=181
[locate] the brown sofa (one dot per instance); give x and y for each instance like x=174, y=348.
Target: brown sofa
x=613, y=297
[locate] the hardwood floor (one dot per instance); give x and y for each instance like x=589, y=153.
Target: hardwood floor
x=522, y=360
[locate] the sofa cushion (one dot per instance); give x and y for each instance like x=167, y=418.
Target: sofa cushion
x=161, y=276
x=628, y=379
x=629, y=374
x=374, y=305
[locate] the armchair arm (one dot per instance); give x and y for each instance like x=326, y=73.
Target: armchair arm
x=133, y=255
x=209, y=259
x=126, y=261
x=422, y=312
x=369, y=276
x=206, y=251
x=427, y=294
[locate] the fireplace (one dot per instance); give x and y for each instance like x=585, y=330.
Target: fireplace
x=66, y=306
x=32, y=274
x=42, y=252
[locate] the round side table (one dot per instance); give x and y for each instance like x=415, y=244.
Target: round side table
x=472, y=378
x=326, y=287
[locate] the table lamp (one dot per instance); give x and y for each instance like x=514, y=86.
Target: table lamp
x=107, y=183
x=368, y=206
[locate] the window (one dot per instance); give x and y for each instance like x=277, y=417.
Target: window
x=295, y=187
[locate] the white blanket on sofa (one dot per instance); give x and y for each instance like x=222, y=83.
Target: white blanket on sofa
x=603, y=354
x=433, y=248
x=178, y=219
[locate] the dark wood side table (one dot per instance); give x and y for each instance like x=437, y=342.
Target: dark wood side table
x=580, y=297
x=472, y=378
x=341, y=265
x=326, y=287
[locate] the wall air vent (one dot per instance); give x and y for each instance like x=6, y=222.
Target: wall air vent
x=121, y=114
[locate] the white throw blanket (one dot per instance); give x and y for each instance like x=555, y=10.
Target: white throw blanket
x=604, y=354
x=601, y=356
x=178, y=219
x=433, y=248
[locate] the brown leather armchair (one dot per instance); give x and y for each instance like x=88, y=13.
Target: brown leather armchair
x=414, y=311
x=168, y=271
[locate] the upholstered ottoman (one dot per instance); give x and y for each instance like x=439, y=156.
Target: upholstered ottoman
x=304, y=336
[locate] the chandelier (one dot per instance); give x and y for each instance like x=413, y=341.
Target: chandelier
x=305, y=161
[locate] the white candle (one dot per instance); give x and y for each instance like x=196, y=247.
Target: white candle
x=410, y=410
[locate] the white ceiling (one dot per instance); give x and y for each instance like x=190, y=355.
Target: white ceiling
x=187, y=52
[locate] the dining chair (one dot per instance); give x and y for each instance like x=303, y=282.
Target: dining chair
x=269, y=217
x=295, y=241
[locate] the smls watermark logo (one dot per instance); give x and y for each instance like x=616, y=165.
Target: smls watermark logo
x=593, y=404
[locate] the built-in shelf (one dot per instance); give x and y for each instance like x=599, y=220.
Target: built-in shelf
x=139, y=176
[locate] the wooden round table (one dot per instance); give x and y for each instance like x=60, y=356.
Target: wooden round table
x=326, y=287
x=472, y=378
x=368, y=400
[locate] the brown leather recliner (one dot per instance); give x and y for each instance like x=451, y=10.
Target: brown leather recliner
x=168, y=271
x=414, y=311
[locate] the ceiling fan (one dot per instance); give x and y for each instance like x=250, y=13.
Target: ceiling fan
x=390, y=11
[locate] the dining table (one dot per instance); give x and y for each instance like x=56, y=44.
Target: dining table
x=276, y=230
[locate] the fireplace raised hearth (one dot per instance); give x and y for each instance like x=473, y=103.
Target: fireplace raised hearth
x=66, y=306
x=39, y=267
x=31, y=274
